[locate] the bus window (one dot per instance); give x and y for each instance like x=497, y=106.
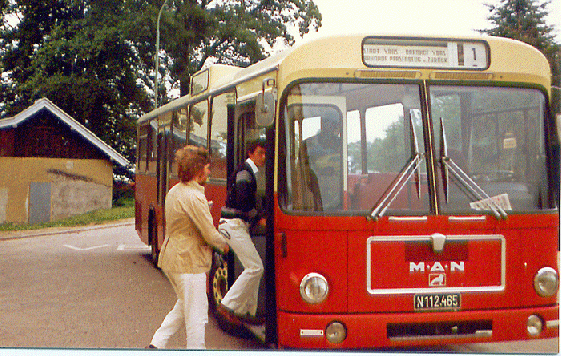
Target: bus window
x=354, y=143
x=219, y=134
x=142, y=154
x=246, y=130
x=164, y=153
x=198, y=124
x=369, y=144
x=320, y=149
x=179, y=136
x=496, y=137
x=151, y=164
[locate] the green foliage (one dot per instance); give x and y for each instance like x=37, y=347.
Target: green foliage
x=95, y=59
x=230, y=32
x=523, y=20
x=76, y=55
x=123, y=194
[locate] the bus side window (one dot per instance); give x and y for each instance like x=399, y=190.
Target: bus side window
x=142, y=154
x=152, y=147
x=198, y=124
x=219, y=134
x=246, y=130
x=179, y=135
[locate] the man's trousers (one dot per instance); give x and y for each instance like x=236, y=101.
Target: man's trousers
x=242, y=296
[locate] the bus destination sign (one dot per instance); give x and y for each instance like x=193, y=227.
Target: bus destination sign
x=425, y=54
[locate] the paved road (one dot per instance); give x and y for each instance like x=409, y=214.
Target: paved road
x=95, y=288
x=86, y=288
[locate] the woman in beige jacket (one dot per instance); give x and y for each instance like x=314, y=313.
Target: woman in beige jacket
x=186, y=253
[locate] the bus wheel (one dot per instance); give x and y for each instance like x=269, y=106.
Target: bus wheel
x=152, y=239
x=218, y=281
x=154, y=253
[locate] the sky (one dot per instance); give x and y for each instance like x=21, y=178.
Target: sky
x=415, y=17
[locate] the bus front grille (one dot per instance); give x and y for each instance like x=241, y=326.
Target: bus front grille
x=440, y=330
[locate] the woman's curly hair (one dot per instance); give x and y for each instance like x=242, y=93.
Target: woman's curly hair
x=190, y=161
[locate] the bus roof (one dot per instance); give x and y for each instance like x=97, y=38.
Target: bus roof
x=345, y=52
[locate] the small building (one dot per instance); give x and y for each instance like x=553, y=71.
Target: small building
x=52, y=167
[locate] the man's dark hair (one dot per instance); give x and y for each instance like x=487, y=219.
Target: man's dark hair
x=252, y=145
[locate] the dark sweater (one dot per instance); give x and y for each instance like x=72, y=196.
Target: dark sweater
x=241, y=193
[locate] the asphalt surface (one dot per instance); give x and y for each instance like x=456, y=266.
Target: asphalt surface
x=85, y=289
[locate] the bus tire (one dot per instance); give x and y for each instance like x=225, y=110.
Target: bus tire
x=217, y=281
x=153, y=238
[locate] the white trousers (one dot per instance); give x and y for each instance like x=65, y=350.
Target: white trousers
x=242, y=296
x=191, y=310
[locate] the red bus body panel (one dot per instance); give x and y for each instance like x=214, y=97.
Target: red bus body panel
x=145, y=197
x=375, y=268
x=369, y=330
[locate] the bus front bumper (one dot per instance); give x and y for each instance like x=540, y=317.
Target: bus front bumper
x=411, y=329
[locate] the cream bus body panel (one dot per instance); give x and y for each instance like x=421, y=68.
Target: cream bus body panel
x=341, y=57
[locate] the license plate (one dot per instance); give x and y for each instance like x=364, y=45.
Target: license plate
x=445, y=301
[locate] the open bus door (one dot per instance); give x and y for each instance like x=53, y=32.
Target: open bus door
x=242, y=129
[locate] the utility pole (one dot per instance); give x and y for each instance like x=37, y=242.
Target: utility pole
x=157, y=56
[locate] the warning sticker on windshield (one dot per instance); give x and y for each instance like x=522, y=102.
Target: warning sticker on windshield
x=500, y=200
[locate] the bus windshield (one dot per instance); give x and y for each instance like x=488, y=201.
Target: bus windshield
x=495, y=137
x=348, y=145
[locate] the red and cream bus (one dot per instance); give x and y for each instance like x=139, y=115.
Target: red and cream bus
x=411, y=188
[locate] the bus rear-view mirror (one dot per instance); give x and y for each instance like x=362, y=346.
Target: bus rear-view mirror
x=265, y=109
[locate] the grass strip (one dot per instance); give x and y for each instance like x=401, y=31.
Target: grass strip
x=95, y=217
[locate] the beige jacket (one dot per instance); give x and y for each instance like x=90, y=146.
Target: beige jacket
x=189, y=231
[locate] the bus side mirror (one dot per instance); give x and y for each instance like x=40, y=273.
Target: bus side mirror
x=265, y=109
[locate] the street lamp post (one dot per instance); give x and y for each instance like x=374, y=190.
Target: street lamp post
x=157, y=57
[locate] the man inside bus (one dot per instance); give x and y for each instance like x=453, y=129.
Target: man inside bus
x=321, y=156
x=240, y=216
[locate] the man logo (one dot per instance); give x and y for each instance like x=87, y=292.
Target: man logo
x=454, y=266
x=437, y=280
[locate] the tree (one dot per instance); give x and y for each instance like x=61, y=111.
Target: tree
x=524, y=20
x=95, y=59
x=76, y=54
x=230, y=31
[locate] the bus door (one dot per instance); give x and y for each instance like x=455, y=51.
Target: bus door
x=221, y=113
x=164, y=141
x=242, y=129
x=247, y=130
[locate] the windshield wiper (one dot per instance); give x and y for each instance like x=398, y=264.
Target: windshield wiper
x=411, y=169
x=477, y=193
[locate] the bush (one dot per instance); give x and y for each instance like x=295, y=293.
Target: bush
x=123, y=193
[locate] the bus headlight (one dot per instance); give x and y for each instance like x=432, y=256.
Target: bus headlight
x=546, y=282
x=336, y=332
x=534, y=325
x=314, y=288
